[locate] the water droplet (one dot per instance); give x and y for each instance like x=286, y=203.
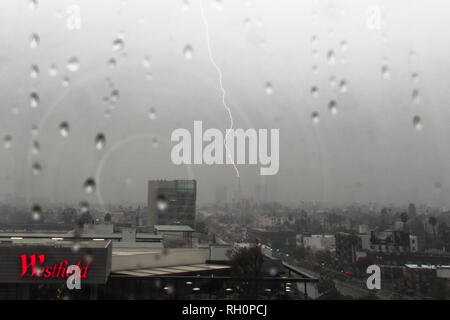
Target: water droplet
x=315, y=117
x=36, y=213
x=34, y=41
x=415, y=96
x=36, y=168
x=75, y=247
x=417, y=122
x=385, y=72
x=188, y=52
x=58, y=14
x=64, y=129
x=89, y=185
x=148, y=76
x=115, y=95
x=7, y=142
x=315, y=91
x=152, y=114
x=35, y=147
x=273, y=271
x=332, y=107
x=331, y=57
x=112, y=63
x=53, y=70
x=332, y=81
x=415, y=77
x=269, y=88
x=34, y=100
x=315, y=69
x=34, y=130
x=34, y=71
x=343, y=86
x=84, y=207
x=109, y=82
x=170, y=289
x=88, y=256
x=100, y=141
x=185, y=5
x=33, y=4
x=344, y=46
x=162, y=203
x=66, y=82
x=155, y=142
x=314, y=41
x=118, y=44
x=146, y=62
x=73, y=64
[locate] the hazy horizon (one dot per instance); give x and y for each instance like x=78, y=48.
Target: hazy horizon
x=383, y=63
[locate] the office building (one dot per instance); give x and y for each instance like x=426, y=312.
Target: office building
x=171, y=202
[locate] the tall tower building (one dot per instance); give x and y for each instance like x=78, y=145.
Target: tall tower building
x=221, y=195
x=172, y=202
x=258, y=193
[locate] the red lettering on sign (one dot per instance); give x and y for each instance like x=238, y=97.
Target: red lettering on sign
x=34, y=266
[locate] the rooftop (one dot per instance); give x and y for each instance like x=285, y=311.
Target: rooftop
x=180, y=269
x=179, y=228
x=423, y=266
x=71, y=235
x=54, y=243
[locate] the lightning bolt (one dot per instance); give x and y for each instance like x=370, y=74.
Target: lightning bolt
x=208, y=43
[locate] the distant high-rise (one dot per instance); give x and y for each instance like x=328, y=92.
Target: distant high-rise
x=411, y=210
x=221, y=195
x=171, y=202
x=258, y=193
x=266, y=193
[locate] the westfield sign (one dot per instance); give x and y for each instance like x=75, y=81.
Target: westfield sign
x=34, y=266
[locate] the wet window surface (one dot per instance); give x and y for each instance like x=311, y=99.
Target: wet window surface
x=339, y=111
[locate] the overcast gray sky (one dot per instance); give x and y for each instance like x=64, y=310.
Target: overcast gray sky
x=382, y=62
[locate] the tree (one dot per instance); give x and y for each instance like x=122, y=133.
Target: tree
x=325, y=285
x=247, y=262
x=324, y=256
x=327, y=288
